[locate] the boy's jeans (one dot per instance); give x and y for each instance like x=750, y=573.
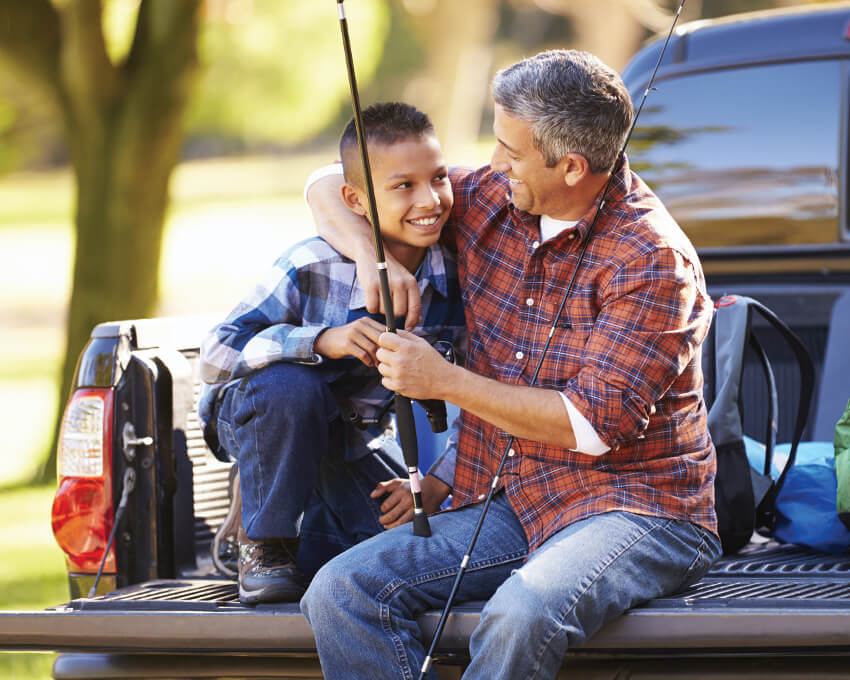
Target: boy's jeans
x=363, y=604
x=297, y=476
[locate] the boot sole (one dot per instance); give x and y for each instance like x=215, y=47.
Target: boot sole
x=281, y=593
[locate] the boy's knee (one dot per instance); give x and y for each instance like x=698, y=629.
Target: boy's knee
x=290, y=387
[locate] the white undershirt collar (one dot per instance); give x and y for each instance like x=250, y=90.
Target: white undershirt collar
x=550, y=227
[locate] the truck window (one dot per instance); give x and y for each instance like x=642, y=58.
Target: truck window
x=746, y=156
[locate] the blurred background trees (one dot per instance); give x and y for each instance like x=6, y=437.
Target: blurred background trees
x=122, y=90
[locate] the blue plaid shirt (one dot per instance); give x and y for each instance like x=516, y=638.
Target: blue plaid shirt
x=312, y=287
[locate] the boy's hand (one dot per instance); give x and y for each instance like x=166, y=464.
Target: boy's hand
x=398, y=506
x=358, y=339
x=407, y=301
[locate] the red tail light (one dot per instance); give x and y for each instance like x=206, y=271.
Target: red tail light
x=82, y=514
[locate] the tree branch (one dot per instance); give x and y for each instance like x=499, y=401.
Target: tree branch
x=30, y=36
x=163, y=58
x=90, y=78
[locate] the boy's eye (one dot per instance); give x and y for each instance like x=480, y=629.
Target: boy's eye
x=402, y=185
x=441, y=177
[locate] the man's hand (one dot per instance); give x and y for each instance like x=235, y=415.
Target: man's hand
x=398, y=506
x=358, y=339
x=412, y=367
x=404, y=289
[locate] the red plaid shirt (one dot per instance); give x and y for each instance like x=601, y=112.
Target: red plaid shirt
x=625, y=352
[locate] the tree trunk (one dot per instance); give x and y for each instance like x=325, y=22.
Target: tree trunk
x=125, y=129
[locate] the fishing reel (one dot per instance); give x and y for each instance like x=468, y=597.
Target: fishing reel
x=435, y=409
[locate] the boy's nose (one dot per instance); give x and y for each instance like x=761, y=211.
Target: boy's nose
x=427, y=197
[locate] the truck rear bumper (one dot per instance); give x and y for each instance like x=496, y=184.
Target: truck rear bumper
x=774, y=601
x=686, y=625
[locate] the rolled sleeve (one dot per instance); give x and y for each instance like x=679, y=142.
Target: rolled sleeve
x=653, y=318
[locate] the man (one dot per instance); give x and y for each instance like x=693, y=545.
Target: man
x=606, y=499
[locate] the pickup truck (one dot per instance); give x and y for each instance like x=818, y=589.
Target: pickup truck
x=746, y=141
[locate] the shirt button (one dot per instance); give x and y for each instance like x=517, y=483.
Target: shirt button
x=519, y=355
x=529, y=301
x=571, y=236
x=511, y=453
x=482, y=496
x=536, y=244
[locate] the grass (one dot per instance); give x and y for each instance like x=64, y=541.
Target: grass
x=32, y=571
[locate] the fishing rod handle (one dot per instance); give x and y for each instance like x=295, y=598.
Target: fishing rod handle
x=410, y=449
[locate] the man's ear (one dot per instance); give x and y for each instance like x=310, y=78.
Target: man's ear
x=353, y=198
x=575, y=168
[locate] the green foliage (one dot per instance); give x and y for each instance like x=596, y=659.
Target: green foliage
x=275, y=71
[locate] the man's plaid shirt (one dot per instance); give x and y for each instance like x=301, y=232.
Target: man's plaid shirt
x=312, y=287
x=625, y=352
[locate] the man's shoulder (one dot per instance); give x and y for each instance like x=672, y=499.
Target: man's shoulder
x=467, y=178
x=477, y=192
x=647, y=226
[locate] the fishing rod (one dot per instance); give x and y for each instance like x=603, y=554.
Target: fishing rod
x=403, y=407
x=426, y=664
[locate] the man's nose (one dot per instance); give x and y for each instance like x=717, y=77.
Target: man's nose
x=499, y=160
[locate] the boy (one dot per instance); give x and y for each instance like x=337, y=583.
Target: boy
x=292, y=387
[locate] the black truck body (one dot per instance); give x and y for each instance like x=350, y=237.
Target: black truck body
x=769, y=217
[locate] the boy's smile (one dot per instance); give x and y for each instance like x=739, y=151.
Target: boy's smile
x=412, y=193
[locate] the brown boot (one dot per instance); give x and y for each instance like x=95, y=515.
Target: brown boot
x=267, y=572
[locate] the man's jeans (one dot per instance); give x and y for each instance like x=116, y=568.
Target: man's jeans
x=298, y=473
x=363, y=604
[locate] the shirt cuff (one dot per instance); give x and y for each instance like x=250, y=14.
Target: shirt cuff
x=444, y=469
x=316, y=175
x=587, y=440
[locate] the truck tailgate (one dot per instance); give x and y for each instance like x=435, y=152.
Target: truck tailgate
x=772, y=598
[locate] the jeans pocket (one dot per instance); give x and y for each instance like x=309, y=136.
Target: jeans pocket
x=706, y=552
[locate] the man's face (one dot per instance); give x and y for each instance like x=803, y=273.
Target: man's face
x=534, y=188
x=412, y=192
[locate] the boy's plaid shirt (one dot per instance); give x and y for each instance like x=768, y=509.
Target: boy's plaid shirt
x=312, y=287
x=625, y=352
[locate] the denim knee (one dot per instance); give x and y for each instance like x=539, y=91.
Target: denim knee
x=292, y=392
x=330, y=587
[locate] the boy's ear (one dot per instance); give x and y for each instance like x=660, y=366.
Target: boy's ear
x=353, y=198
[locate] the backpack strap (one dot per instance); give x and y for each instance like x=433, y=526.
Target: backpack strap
x=772, y=403
x=807, y=382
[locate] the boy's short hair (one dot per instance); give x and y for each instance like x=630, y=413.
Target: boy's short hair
x=383, y=123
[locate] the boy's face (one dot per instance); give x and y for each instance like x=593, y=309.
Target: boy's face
x=412, y=193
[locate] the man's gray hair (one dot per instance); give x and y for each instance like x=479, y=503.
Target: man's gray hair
x=574, y=102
